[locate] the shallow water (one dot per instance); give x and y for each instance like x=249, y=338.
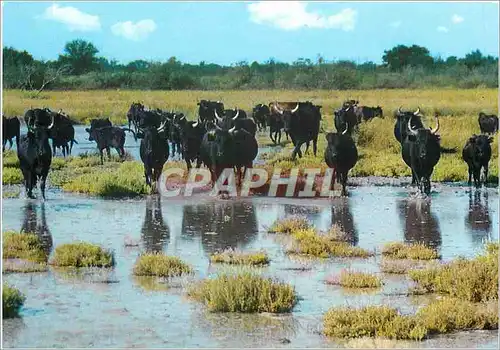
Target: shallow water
x=111, y=308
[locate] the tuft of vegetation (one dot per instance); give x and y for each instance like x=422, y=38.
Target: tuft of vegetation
x=309, y=242
x=438, y=317
x=356, y=279
x=22, y=266
x=10, y=159
x=244, y=292
x=398, y=266
x=157, y=264
x=289, y=225
x=416, y=251
x=82, y=254
x=12, y=301
x=473, y=280
x=27, y=246
x=336, y=233
x=231, y=256
x=12, y=176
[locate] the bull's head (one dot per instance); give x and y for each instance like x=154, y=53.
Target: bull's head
x=41, y=135
x=422, y=137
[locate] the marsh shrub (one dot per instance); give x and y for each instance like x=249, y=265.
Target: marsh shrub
x=156, y=264
x=231, y=256
x=12, y=176
x=244, y=292
x=417, y=251
x=12, y=301
x=23, y=245
x=82, y=254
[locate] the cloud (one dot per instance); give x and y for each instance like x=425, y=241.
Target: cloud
x=293, y=15
x=395, y=24
x=75, y=19
x=442, y=29
x=457, y=19
x=134, y=31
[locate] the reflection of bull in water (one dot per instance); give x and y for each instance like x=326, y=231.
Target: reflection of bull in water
x=221, y=225
x=154, y=233
x=31, y=225
x=421, y=225
x=478, y=220
x=342, y=217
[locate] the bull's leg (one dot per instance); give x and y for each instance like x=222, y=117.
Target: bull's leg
x=307, y=147
x=470, y=175
x=108, y=151
x=188, y=163
x=344, y=184
x=315, y=145
x=271, y=136
x=101, y=153
x=147, y=175
x=297, y=150
x=278, y=135
x=3, y=145
x=42, y=183
x=477, y=177
x=485, y=174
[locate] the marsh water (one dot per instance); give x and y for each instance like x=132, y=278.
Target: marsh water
x=112, y=308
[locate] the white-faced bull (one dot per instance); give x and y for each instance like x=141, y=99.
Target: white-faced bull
x=477, y=154
x=154, y=151
x=421, y=152
x=302, y=124
x=341, y=155
x=34, y=151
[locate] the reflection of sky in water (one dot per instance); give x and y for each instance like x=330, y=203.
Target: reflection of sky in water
x=81, y=313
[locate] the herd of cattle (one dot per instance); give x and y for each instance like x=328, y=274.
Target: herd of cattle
x=226, y=138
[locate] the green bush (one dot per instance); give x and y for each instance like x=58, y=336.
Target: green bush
x=154, y=264
x=23, y=245
x=12, y=176
x=82, y=254
x=12, y=301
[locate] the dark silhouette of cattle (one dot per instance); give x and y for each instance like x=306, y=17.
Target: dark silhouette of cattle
x=191, y=133
x=221, y=225
x=236, y=118
x=341, y=154
x=342, y=217
x=11, y=127
x=488, y=124
x=345, y=118
x=175, y=133
x=224, y=148
x=365, y=113
x=421, y=152
x=154, y=151
x=155, y=233
x=100, y=123
x=420, y=224
x=260, y=115
x=62, y=134
x=31, y=224
x=478, y=218
x=207, y=108
x=107, y=137
x=477, y=154
x=34, y=151
x=133, y=114
x=276, y=124
x=302, y=124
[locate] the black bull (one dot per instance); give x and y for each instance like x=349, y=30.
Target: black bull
x=421, y=152
x=302, y=124
x=11, y=127
x=34, y=151
x=107, y=137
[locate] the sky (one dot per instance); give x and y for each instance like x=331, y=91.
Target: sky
x=230, y=32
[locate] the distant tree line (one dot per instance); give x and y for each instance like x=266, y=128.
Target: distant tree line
x=80, y=67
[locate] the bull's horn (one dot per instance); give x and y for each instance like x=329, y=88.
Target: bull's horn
x=275, y=106
x=162, y=126
x=237, y=114
x=183, y=117
x=232, y=129
x=417, y=111
x=60, y=110
x=412, y=131
x=399, y=110
x=52, y=123
x=295, y=109
x=346, y=128
x=348, y=108
x=218, y=127
x=433, y=131
x=195, y=124
x=219, y=119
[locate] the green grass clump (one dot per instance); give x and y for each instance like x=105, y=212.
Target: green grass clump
x=10, y=160
x=416, y=251
x=474, y=280
x=154, y=264
x=244, y=292
x=451, y=314
x=356, y=279
x=397, y=266
x=371, y=321
x=82, y=254
x=12, y=301
x=23, y=245
x=309, y=242
x=230, y=256
x=289, y=225
x=126, y=180
x=12, y=176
